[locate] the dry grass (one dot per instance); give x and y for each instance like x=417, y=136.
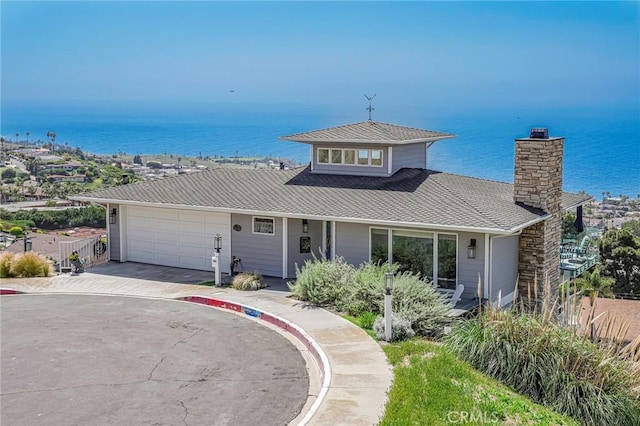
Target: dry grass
x=25, y=265
x=247, y=281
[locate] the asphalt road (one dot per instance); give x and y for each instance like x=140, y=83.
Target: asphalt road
x=103, y=360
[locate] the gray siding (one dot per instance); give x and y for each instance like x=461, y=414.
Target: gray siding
x=294, y=233
x=410, y=156
x=114, y=233
x=504, y=266
x=352, y=242
x=342, y=169
x=468, y=269
x=258, y=253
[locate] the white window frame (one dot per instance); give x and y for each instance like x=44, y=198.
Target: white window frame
x=417, y=233
x=355, y=159
x=253, y=225
x=328, y=156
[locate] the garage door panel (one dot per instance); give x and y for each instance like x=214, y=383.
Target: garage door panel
x=176, y=237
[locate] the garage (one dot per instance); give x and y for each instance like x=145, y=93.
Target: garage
x=175, y=237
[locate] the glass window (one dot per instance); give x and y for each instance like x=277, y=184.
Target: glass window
x=336, y=156
x=323, y=156
x=379, y=245
x=349, y=156
x=447, y=261
x=263, y=225
x=376, y=158
x=363, y=157
x=413, y=252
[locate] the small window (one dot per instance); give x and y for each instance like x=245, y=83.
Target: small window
x=363, y=157
x=376, y=158
x=349, y=156
x=263, y=225
x=323, y=156
x=336, y=156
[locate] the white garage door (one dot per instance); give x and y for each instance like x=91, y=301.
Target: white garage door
x=172, y=237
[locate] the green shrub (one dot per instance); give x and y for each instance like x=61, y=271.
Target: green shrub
x=247, y=281
x=322, y=282
x=29, y=264
x=365, y=292
x=419, y=302
x=552, y=365
x=5, y=263
x=400, y=328
x=366, y=320
x=16, y=231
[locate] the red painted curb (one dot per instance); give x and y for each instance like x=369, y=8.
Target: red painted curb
x=271, y=319
x=5, y=291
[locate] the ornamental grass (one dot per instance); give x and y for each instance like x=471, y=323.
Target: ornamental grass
x=24, y=265
x=531, y=351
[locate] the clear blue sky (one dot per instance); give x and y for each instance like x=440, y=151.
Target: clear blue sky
x=478, y=53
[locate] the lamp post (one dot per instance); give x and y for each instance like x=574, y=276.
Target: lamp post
x=27, y=243
x=388, y=286
x=215, y=260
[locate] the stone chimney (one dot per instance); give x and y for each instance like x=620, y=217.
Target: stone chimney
x=538, y=185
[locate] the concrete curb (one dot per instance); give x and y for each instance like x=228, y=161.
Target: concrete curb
x=308, y=341
x=4, y=291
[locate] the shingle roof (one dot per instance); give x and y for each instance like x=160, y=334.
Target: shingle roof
x=370, y=132
x=409, y=197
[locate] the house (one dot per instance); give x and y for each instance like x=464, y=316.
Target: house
x=367, y=194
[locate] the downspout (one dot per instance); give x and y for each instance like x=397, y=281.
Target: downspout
x=491, y=238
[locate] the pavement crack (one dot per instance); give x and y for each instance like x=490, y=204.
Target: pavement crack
x=185, y=339
x=155, y=367
x=186, y=413
x=72, y=387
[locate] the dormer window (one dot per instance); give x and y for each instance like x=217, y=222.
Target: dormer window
x=350, y=157
x=336, y=156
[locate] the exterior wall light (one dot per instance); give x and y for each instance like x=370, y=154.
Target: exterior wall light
x=112, y=216
x=305, y=226
x=471, y=250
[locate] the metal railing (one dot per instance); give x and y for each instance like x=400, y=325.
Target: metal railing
x=90, y=252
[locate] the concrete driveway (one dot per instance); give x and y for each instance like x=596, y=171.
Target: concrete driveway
x=99, y=360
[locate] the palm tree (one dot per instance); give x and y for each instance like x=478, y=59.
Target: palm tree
x=17, y=135
x=28, y=138
x=592, y=285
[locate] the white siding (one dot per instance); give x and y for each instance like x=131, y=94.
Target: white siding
x=259, y=253
x=468, y=269
x=352, y=242
x=504, y=266
x=410, y=156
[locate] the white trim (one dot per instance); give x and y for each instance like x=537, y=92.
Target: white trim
x=384, y=223
x=333, y=240
x=487, y=265
x=285, y=246
x=312, y=159
x=390, y=160
x=122, y=230
x=229, y=227
x=108, y=234
x=417, y=232
x=324, y=237
x=253, y=228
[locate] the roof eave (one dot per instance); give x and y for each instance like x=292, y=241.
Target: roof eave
x=576, y=204
x=368, y=221
x=368, y=141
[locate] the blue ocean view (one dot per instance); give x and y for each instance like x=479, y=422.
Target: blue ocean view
x=601, y=147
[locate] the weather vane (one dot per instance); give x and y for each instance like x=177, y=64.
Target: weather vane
x=370, y=99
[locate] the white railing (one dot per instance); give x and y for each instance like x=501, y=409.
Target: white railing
x=90, y=252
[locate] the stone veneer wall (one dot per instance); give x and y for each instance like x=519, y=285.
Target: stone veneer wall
x=538, y=184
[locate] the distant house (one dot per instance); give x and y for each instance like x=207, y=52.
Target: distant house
x=367, y=195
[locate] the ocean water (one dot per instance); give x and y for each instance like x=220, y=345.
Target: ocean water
x=602, y=146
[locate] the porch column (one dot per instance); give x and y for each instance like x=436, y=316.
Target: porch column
x=285, y=251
